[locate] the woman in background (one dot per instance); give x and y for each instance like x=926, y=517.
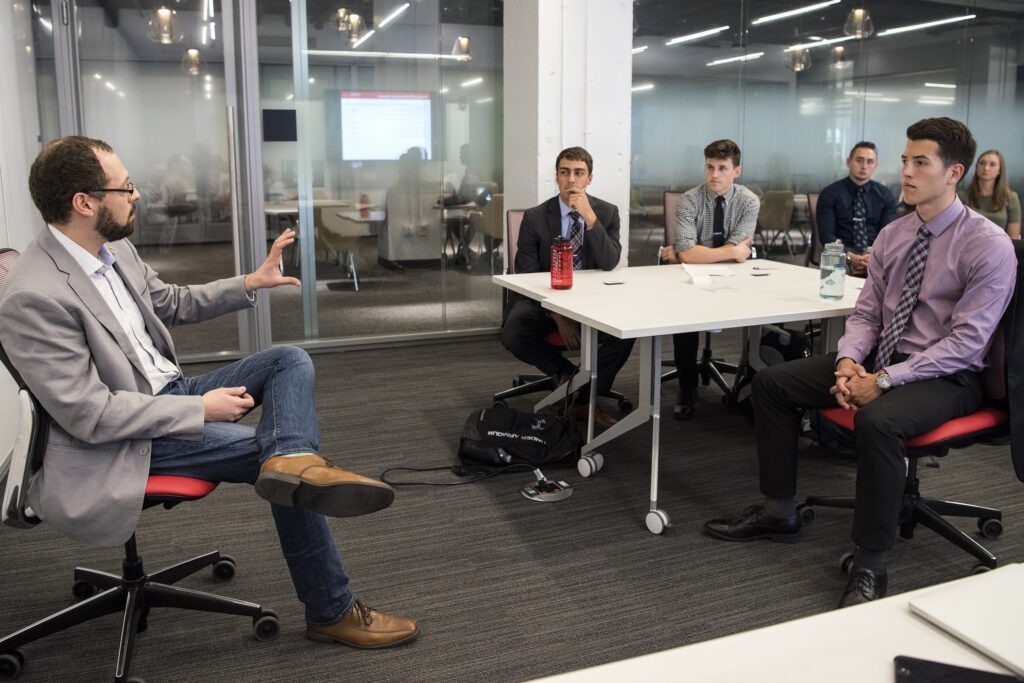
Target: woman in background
x=990, y=195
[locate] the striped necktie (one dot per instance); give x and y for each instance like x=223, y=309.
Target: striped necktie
x=908, y=299
x=576, y=237
x=860, y=221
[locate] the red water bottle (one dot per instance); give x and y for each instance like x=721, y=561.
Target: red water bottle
x=561, y=263
x=364, y=206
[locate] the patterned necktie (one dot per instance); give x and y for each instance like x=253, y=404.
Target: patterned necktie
x=860, y=221
x=718, y=233
x=908, y=299
x=576, y=237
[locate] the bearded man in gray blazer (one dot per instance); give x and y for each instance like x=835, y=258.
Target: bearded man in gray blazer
x=85, y=322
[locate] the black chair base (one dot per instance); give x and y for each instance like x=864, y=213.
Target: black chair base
x=134, y=594
x=710, y=369
x=931, y=513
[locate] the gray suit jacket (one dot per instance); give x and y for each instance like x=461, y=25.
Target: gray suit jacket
x=75, y=357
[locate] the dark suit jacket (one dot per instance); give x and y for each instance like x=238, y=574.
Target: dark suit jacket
x=542, y=224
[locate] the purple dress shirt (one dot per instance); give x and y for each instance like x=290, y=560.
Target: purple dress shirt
x=968, y=281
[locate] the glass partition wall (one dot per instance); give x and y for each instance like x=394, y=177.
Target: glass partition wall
x=381, y=138
x=378, y=137
x=796, y=84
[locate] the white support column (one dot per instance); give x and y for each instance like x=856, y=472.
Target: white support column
x=568, y=75
x=19, y=125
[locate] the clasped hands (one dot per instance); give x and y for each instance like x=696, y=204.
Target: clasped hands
x=855, y=387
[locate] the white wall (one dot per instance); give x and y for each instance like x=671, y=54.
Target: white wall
x=19, y=125
x=567, y=82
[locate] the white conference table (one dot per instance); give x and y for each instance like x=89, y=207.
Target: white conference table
x=647, y=302
x=851, y=645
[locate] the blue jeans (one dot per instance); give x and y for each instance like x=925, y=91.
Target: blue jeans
x=280, y=380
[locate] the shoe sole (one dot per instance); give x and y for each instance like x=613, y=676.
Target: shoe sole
x=325, y=638
x=777, y=538
x=340, y=499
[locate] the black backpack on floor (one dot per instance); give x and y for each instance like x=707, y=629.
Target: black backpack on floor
x=495, y=439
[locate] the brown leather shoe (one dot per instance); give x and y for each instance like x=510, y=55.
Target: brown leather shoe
x=314, y=483
x=602, y=420
x=366, y=628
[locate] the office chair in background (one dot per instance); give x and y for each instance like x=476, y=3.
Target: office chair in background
x=774, y=218
x=529, y=384
x=23, y=431
x=487, y=222
x=813, y=255
x=999, y=421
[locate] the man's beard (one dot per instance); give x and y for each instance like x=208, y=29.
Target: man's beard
x=110, y=229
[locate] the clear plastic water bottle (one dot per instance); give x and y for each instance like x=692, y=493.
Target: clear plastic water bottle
x=833, y=271
x=561, y=263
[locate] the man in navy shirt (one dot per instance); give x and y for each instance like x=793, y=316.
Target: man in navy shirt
x=855, y=208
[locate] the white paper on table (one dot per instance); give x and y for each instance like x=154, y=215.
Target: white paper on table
x=702, y=273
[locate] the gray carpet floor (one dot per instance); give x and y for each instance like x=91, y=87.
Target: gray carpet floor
x=505, y=589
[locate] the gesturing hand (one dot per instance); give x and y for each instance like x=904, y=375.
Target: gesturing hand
x=269, y=273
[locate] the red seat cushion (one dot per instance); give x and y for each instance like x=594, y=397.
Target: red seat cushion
x=181, y=487
x=554, y=339
x=978, y=421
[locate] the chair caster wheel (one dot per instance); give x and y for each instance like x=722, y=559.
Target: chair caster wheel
x=224, y=568
x=625, y=406
x=846, y=562
x=82, y=590
x=990, y=528
x=657, y=521
x=980, y=569
x=500, y=404
x=805, y=512
x=589, y=464
x=11, y=664
x=266, y=626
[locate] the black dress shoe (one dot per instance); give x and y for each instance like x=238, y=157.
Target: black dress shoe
x=683, y=409
x=864, y=585
x=754, y=524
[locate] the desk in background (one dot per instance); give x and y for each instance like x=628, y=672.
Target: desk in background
x=648, y=302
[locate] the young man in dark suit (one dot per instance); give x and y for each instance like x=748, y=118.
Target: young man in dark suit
x=593, y=226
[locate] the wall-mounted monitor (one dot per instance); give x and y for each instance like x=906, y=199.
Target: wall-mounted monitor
x=378, y=125
x=279, y=125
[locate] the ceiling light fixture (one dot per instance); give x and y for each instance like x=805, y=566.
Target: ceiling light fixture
x=639, y=49
x=394, y=15
x=192, y=63
x=741, y=58
x=460, y=50
x=918, y=27
x=951, y=86
x=366, y=37
x=643, y=86
x=858, y=24
x=792, y=13
x=819, y=43
x=164, y=27
x=838, y=58
x=696, y=36
x=798, y=60
x=381, y=55
x=350, y=23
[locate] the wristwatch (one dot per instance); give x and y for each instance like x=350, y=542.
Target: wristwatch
x=884, y=381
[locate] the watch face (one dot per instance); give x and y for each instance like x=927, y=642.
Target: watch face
x=884, y=382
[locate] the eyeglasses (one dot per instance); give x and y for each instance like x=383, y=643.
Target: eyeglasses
x=130, y=190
